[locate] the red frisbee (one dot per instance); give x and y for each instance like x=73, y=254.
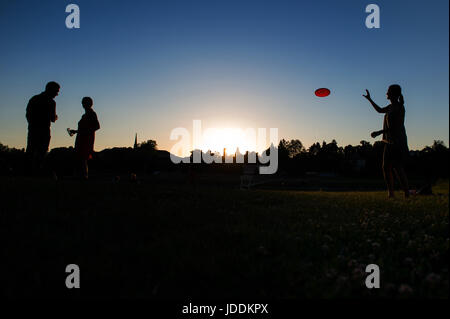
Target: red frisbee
x=322, y=92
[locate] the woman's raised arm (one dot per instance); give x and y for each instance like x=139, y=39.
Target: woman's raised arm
x=375, y=106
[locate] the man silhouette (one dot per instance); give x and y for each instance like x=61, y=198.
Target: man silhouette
x=41, y=111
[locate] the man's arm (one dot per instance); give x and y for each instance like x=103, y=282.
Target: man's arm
x=53, y=116
x=29, y=115
x=95, y=125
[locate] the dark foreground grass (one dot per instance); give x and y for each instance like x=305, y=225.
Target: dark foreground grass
x=167, y=241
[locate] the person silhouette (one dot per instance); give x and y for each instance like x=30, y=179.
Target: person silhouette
x=84, y=142
x=396, y=149
x=40, y=112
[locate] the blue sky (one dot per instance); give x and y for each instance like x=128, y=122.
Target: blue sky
x=152, y=66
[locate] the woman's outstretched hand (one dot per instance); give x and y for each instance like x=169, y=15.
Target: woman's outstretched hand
x=367, y=96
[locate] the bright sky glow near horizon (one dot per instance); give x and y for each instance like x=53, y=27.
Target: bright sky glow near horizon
x=152, y=66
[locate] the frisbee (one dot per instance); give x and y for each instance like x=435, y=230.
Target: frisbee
x=322, y=92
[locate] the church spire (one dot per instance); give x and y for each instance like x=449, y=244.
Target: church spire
x=135, y=142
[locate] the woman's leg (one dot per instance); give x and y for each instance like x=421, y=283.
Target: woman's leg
x=401, y=174
x=389, y=178
x=81, y=168
x=84, y=168
x=387, y=170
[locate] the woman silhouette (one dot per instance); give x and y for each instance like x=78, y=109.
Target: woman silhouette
x=84, y=143
x=394, y=136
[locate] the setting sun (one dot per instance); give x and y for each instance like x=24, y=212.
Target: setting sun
x=231, y=139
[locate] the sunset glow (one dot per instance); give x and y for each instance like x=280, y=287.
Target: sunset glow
x=229, y=138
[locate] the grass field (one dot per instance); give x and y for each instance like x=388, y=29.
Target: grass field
x=165, y=241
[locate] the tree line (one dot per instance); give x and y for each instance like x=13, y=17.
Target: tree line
x=294, y=159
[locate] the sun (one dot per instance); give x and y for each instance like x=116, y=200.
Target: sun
x=231, y=139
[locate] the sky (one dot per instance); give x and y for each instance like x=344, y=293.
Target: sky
x=152, y=66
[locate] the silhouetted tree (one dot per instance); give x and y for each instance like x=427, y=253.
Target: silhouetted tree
x=149, y=145
x=314, y=149
x=295, y=147
x=439, y=146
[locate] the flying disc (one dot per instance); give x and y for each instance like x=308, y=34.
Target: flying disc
x=322, y=92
